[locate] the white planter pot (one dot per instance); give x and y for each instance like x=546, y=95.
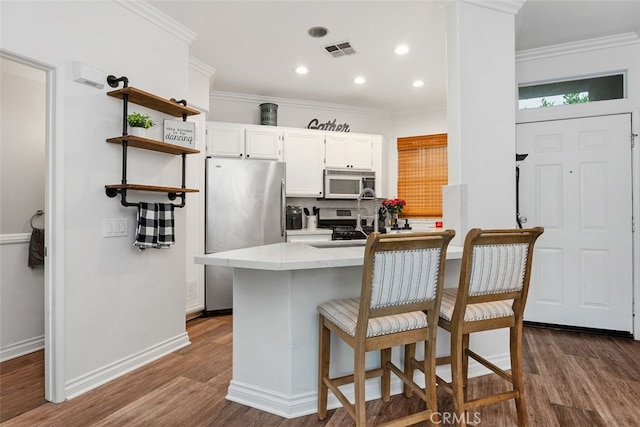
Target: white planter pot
x=138, y=131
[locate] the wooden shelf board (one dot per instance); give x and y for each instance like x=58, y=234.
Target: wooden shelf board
x=152, y=101
x=153, y=145
x=153, y=188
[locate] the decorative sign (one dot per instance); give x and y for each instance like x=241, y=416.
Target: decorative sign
x=330, y=125
x=180, y=133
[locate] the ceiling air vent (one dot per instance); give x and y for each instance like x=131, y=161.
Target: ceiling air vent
x=340, y=49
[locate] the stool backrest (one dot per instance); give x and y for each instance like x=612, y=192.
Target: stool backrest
x=402, y=273
x=496, y=265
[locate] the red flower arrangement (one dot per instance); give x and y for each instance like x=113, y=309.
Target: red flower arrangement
x=394, y=206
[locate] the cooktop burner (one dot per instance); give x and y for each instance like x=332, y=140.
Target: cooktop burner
x=350, y=233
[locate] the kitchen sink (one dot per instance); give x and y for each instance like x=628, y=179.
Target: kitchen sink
x=338, y=244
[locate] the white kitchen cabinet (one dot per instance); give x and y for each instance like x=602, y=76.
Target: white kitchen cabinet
x=351, y=151
x=304, y=156
x=263, y=142
x=225, y=139
x=244, y=141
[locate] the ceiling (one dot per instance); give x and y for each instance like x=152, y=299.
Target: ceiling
x=255, y=45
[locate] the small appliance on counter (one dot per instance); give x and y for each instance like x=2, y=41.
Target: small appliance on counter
x=294, y=217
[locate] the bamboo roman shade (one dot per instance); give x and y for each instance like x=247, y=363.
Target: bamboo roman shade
x=422, y=171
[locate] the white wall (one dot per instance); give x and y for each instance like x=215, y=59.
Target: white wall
x=120, y=305
x=481, y=116
x=22, y=160
x=239, y=108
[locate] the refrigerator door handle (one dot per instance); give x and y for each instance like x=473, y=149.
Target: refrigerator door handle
x=283, y=208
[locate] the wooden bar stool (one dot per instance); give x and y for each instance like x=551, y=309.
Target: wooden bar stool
x=491, y=294
x=402, y=281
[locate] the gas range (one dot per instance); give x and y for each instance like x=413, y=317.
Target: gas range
x=343, y=223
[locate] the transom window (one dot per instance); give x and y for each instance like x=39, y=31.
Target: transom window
x=571, y=92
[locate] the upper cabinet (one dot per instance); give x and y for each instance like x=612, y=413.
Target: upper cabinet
x=263, y=142
x=244, y=141
x=307, y=152
x=348, y=151
x=225, y=139
x=304, y=155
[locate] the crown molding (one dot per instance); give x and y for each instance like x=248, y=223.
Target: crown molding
x=294, y=103
x=507, y=6
x=607, y=42
x=147, y=11
x=201, y=67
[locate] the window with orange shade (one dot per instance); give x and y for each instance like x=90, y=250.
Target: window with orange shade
x=422, y=171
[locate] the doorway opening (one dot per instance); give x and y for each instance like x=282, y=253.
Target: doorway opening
x=53, y=167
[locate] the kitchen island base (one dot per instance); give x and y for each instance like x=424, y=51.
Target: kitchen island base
x=275, y=338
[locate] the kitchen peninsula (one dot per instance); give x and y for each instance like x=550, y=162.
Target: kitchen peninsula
x=276, y=289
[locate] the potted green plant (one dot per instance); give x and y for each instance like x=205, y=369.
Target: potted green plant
x=139, y=123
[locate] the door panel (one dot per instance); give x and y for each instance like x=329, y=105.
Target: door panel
x=576, y=182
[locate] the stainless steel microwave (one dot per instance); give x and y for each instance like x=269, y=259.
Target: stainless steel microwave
x=347, y=184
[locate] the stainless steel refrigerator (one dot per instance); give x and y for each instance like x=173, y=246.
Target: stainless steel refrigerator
x=245, y=207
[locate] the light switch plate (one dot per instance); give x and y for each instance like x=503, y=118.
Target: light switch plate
x=115, y=227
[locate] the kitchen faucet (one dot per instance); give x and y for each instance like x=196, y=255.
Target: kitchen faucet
x=364, y=192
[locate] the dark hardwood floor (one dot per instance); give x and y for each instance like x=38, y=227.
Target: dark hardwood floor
x=572, y=379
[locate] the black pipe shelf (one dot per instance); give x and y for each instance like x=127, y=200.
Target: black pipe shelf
x=167, y=106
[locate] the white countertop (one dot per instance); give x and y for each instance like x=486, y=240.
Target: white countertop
x=305, y=231
x=298, y=255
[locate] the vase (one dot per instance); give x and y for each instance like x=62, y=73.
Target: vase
x=138, y=131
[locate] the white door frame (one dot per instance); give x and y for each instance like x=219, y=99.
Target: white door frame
x=54, y=224
x=599, y=109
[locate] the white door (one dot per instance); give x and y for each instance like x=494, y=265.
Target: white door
x=576, y=183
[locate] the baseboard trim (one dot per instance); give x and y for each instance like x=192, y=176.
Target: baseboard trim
x=221, y=312
x=84, y=383
x=303, y=404
x=297, y=405
x=581, y=329
x=21, y=348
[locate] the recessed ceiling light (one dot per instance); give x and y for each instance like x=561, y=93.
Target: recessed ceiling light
x=417, y=83
x=301, y=69
x=317, y=32
x=401, y=49
x=359, y=80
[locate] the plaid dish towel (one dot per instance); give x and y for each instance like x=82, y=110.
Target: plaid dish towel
x=165, y=225
x=147, y=229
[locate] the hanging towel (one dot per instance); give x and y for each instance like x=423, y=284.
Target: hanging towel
x=147, y=228
x=165, y=225
x=36, y=248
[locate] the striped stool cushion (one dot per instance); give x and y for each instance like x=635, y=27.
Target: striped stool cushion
x=344, y=314
x=481, y=311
